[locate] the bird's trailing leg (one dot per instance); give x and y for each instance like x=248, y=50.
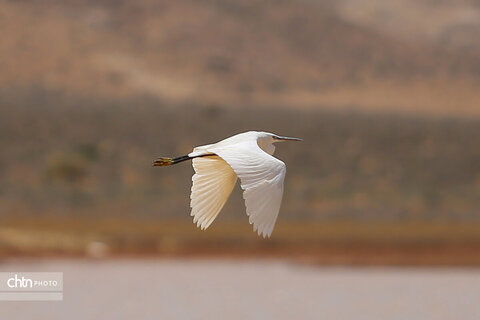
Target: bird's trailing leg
x=162, y=161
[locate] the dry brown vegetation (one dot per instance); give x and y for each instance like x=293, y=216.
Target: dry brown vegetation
x=91, y=156
x=449, y=244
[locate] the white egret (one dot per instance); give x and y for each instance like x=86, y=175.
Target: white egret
x=247, y=156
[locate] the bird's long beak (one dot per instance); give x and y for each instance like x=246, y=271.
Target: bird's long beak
x=287, y=139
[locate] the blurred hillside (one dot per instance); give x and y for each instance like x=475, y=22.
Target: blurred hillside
x=337, y=54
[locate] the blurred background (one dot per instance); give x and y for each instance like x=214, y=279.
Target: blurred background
x=385, y=94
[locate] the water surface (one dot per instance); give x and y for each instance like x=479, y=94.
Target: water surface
x=247, y=289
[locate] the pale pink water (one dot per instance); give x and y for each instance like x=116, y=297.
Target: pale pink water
x=247, y=289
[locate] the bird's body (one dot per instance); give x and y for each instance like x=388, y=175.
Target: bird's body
x=247, y=156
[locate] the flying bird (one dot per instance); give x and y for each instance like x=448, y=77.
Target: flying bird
x=217, y=166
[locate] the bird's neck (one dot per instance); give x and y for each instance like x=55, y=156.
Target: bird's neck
x=268, y=147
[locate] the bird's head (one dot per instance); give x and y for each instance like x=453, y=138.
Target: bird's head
x=266, y=140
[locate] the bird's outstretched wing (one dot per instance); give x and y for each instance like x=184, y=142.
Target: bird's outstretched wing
x=213, y=183
x=261, y=176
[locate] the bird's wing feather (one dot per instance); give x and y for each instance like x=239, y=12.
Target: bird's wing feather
x=213, y=182
x=261, y=176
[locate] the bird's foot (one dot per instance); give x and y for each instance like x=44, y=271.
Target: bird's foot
x=161, y=162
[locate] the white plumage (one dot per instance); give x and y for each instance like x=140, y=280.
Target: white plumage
x=247, y=156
